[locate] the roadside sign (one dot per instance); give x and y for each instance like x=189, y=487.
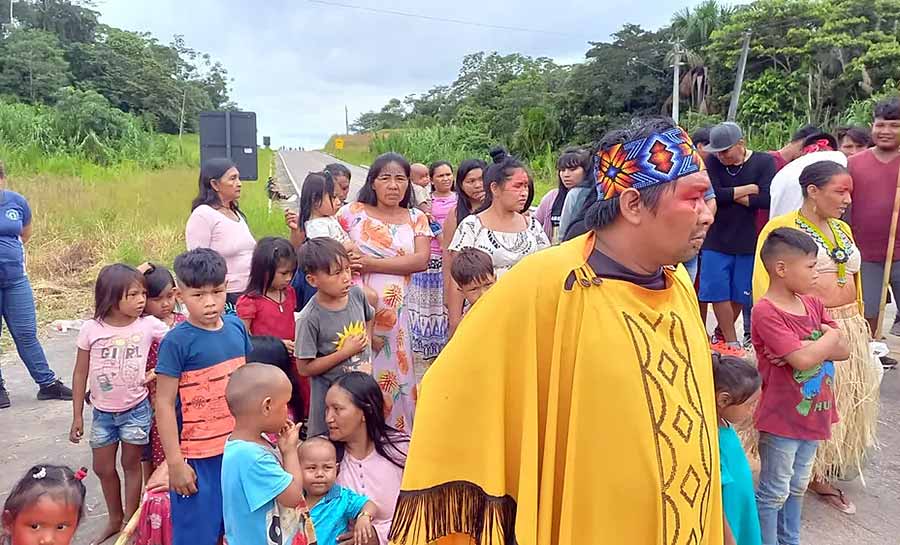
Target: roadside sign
x=231, y=135
x=338, y=143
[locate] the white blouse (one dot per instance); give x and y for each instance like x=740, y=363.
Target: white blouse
x=505, y=249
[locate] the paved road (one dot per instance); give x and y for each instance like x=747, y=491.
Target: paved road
x=301, y=163
x=34, y=432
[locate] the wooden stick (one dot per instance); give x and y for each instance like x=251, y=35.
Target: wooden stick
x=888, y=261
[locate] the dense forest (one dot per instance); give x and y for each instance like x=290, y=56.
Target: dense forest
x=71, y=85
x=809, y=61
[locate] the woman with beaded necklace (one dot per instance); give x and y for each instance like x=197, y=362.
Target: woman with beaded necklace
x=826, y=196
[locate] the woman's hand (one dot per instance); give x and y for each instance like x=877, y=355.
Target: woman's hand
x=289, y=345
x=363, y=532
x=292, y=219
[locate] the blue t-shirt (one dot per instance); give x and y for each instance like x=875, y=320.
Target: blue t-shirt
x=738, y=498
x=333, y=513
x=15, y=215
x=203, y=361
x=252, y=479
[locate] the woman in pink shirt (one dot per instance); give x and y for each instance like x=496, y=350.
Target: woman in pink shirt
x=217, y=222
x=371, y=453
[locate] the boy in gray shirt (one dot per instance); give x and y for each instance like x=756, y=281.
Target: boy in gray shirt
x=333, y=329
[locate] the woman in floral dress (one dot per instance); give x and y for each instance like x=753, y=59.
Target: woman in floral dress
x=394, y=242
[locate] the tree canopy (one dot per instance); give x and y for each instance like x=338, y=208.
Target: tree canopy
x=809, y=61
x=56, y=44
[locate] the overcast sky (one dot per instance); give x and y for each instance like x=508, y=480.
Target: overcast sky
x=297, y=63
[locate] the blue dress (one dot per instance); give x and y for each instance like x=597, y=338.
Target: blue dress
x=738, y=497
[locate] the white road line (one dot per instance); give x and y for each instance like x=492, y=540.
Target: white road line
x=290, y=176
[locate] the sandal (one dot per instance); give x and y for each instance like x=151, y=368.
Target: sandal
x=837, y=500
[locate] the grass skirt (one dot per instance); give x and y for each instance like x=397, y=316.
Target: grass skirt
x=856, y=394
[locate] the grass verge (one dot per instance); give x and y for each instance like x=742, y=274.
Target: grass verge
x=129, y=216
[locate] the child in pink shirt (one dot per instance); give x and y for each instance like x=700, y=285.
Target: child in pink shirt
x=112, y=355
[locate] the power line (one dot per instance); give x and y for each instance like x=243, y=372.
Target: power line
x=437, y=19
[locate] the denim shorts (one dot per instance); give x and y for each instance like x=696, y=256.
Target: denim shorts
x=131, y=426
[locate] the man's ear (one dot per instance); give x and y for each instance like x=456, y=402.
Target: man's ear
x=630, y=206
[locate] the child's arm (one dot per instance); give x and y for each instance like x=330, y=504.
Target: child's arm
x=318, y=366
x=288, y=444
x=363, y=531
x=182, y=478
x=79, y=387
x=830, y=346
x=729, y=536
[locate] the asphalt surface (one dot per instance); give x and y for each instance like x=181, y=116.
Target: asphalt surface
x=301, y=163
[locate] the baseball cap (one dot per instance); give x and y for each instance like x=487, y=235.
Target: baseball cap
x=723, y=136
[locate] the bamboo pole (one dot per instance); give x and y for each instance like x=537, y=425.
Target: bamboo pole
x=888, y=261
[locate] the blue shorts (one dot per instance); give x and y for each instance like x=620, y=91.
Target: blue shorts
x=726, y=277
x=197, y=519
x=131, y=426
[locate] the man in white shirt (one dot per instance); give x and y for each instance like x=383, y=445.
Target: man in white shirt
x=785, y=191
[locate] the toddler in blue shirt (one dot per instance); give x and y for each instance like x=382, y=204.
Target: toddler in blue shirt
x=333, y=508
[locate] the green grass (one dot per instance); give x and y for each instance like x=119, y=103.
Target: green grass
x=131, y=216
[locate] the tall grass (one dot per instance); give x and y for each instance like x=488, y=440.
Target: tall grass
x=82, y=224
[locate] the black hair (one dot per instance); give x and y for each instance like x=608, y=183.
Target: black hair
x=320, y=254
x=366, y=396
x=569, y=158
x=601, y=213
x=58, y=482
x=112, y=284
x=471, y=265
x=804, y=132
x=735, y=376
x=337, y=169
x=269, y=253
x=157, y=279
x=786, y=239
x=499, y=172
x=211, y=171
x=434, y=166
x=701, y=136
x=859, y=135
x=819, y=174
x=463, y=210
x=815, y=137
x=888, y=109
x=367, y=191
x=316, y=187
x=271, y=350
x=200, y=268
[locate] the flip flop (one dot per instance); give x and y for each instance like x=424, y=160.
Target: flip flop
x=842, y=504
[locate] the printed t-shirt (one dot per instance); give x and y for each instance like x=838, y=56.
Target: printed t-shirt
x=252, y=480
x=15, y=215
x=325, y=227
x=738, y=497
x=203, y=361
x=794, y=404
x=119, y=361
x=874, y=186
x=320, y=332
x=268, y=317
x=333, y=513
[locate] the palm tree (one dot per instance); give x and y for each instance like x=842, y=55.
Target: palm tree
x=692, y=28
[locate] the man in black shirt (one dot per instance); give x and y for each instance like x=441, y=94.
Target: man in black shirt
x=741, y=180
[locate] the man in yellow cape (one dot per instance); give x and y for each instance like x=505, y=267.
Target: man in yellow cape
x=575, y=403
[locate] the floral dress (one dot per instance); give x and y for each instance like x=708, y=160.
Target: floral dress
x=392, y=366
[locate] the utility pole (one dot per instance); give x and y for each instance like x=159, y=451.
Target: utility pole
x=739, y=79
x=181, y=125
x=346, y=120
x=676, y=76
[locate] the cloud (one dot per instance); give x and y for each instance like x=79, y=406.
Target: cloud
x=296, y=64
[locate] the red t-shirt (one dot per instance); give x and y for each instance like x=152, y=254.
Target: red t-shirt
x=267, y=317
x=780, y=161
x=874, y=186
x=795, y=404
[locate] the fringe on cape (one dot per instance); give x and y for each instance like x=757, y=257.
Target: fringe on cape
x=456, y=507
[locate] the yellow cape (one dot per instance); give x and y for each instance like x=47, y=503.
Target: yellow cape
x=581, y=413
x=761, y=276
